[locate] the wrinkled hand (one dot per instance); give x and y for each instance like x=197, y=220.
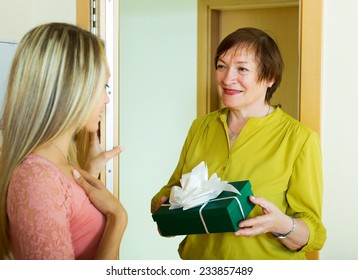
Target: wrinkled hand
x=97, y=158
x=99, y=195
x=270, y=220
x=159, y=203
x=155, y=208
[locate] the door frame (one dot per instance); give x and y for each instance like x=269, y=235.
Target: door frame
x=106, y=22
x=310, y=58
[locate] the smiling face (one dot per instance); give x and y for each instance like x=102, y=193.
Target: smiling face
x=237, y=82
x=98, y=111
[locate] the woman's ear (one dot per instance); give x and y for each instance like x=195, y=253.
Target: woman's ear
x=270, y=83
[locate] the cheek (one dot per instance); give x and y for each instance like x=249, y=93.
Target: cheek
x=218, y=79
x=103, y=101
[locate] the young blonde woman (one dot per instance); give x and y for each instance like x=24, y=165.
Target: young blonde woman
x=50, y=208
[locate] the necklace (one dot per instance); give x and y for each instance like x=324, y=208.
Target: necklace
x=235, y=135
x=65, y=157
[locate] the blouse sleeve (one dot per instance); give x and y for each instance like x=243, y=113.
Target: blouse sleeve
x=39, y=210
x=305, y=192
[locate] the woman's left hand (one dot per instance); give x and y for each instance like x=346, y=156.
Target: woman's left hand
x=97, y=158
x=272, y=220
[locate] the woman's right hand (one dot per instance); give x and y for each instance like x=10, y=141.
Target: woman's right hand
x=155, y=208
x=109, y=206
x=99, y=195
x=159, y=203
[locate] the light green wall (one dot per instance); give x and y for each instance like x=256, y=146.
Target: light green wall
x=157, y=106
x=340, y=129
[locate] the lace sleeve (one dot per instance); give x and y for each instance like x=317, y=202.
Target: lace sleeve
x=39, y=211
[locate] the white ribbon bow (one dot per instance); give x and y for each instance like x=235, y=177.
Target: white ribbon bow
x=197, y=188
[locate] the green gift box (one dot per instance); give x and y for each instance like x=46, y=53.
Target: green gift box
x=221, y=214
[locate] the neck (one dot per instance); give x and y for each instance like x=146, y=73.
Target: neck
x=236, y=119
x=246, y=113
x=62, y=151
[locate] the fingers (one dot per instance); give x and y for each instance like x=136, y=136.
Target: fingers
x=99, y=159
x=80, y=180
x=263, y=203
x=86, y=180
x=261, y=223
x=162, y=200
x=104, y=157
x=159, y=203
x=114, y=152
x=100, y=197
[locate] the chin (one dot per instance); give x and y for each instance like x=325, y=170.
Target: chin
x=92, y=128
x=229, y=104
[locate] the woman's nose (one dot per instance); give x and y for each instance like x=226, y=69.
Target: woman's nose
x=107, y=99
x=229, y=76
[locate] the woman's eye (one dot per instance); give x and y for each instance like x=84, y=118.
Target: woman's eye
x=243, y=69
x=107, y=89
x=220, y=66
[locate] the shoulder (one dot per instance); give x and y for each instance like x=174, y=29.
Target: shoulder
x=294, y=127
x=210, y=118
x=34, y=167
x=36, y=176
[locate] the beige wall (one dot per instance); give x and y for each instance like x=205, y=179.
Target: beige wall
x=19, y=16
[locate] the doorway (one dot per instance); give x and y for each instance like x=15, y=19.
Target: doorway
x=298, y=20
x=281, y=23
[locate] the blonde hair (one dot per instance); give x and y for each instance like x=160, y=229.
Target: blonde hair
x=57, y=75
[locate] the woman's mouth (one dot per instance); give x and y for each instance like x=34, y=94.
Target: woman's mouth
x=229, y=91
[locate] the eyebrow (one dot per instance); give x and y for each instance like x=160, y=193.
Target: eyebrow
x=237, y=62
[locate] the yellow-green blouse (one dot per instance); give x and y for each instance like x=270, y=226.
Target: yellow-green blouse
x=282, y=159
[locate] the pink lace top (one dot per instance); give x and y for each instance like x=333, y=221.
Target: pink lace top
x=50, y=216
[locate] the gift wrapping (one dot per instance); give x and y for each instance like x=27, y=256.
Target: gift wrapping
x=221, y=214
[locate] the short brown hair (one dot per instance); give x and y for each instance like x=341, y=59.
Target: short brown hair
x=266, y=52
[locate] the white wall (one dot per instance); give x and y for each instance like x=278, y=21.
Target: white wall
x=157, y=106
x=340, y=129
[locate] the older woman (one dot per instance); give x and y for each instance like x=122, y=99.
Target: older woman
x=251, y=139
